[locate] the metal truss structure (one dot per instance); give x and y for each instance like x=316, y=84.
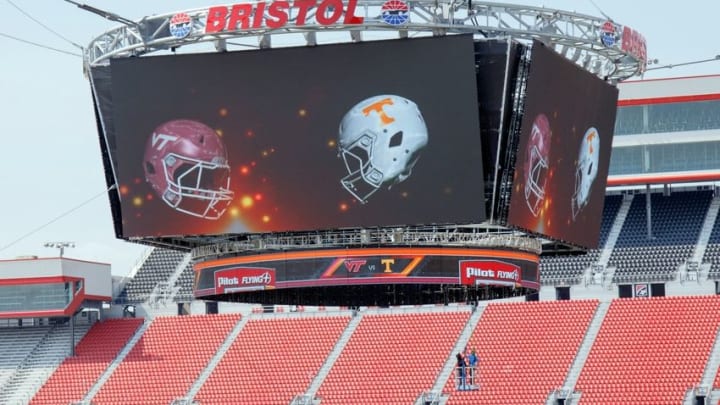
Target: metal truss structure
x=445, y=237
x=592, y=42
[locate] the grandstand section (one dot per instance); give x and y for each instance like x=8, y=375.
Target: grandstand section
x=167, y=359
x=281, y=352
x=33, y=354
x=184, y=284
x=17, y=344
x=72, y=380
x=392, y=358
x=647, y=350
x=653, y=251
x=157, y=268
x=712, y=254
x=650, y=350
x=525, y=351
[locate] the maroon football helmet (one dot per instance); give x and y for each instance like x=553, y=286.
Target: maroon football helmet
x=537, y=157
x=186, y=164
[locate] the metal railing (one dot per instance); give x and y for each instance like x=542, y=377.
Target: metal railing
x=449, y=237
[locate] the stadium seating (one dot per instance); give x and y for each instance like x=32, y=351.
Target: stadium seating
x=712, y=252
x=392, y=358
x=72, y=380
x=525, y=351
x=184, y=284
x=272, y=360
x=16, y=344
x=676, y=223
x=158, y=267
x=166, y=360
x=650, y=350
x=40, y=361
x=712, y=256
x=677, y=219
x=647, y=351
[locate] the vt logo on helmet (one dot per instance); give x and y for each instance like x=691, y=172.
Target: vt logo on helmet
x=380, y=141
x=586, y=169
x=537, y=158
x=186, y=164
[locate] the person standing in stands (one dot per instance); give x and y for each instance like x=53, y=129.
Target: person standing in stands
x=472, y=364
x=461, y=371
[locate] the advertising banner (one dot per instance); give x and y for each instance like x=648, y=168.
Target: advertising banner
x=486, y=272
x=244, y=279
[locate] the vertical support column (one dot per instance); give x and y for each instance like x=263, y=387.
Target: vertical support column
x=648, y=211
x=72, y=335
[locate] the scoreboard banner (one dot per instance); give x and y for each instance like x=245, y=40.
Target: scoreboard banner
x=338, y=267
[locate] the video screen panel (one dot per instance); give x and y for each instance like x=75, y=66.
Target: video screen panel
x=293, y=139
x=366, y=266
x=564, y=151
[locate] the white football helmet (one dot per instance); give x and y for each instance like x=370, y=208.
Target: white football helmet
x=380, y=141
x=586, y=169
x=537, y=158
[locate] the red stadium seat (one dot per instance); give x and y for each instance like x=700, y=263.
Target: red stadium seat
x=525, y=350
x=392, y=358
x=282, y=353
x=650, y=350
x=167, y=359
x=98, y=348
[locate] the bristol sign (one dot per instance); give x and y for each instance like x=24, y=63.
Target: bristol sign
x=279, y=14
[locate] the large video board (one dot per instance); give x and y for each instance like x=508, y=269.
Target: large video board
x=291, y=139
x=564, y=151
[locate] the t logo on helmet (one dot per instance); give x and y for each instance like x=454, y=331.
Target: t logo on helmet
x=378, y=108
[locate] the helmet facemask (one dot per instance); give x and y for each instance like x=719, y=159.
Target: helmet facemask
x=537, y=164
x=380, y=141
x=197, y=188
x=586, y=170
x=363, y=179
x=535, y=186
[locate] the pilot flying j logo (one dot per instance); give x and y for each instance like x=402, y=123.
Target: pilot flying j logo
x=492, y=272
x=244, y=279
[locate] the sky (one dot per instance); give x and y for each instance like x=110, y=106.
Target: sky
x=51, y=174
